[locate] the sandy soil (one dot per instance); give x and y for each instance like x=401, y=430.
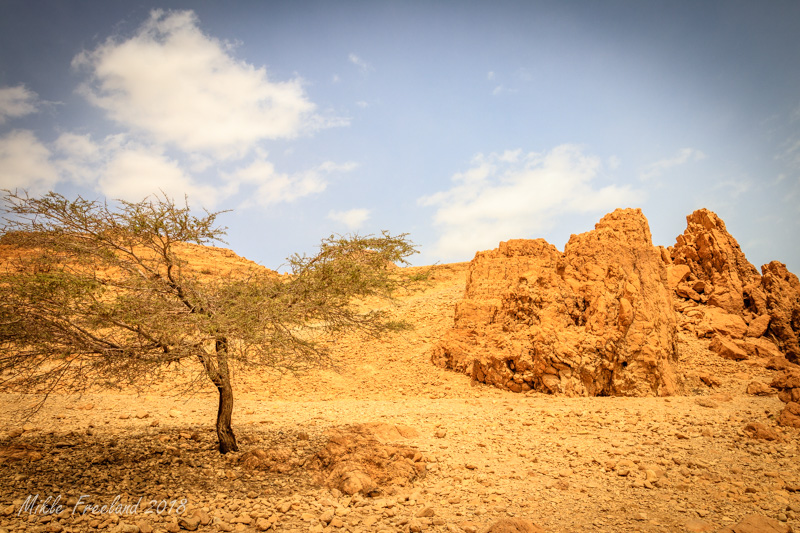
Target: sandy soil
x=567, y=464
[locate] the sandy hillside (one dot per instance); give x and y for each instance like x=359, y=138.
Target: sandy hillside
x=683, y=463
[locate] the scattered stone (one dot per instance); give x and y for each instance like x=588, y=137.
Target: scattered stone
x=354, y=461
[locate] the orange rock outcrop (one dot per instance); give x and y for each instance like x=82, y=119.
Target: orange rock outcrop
x=602, y=318
x=595, y=320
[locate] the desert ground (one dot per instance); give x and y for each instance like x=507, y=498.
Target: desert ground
x=610, y=464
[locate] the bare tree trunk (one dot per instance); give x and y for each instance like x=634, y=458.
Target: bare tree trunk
x=227, y=440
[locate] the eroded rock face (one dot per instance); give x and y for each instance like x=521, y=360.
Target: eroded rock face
x=596, y=320
x=709, y=268
x=782, y=290
x=720, y=272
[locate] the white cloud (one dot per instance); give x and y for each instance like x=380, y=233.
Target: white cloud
x=17, y=102
x=516, y=195
x=362, y=65
x=490, y=75
x=353, y=219
x=135, y=172
x=273, y=187
x=179, y=86
x=81, y=158
x=115, y=167
x=25, y=163
x=683, y=156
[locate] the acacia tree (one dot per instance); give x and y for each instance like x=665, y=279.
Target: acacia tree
x=92, y=293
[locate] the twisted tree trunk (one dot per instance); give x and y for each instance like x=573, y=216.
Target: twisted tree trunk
x=225, y=436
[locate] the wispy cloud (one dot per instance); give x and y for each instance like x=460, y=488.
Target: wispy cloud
x=362, y=65
x=518, y=80
x=118, y=167
x=795, y=115
x=182, y=88
x=735, y=188
x=17, y=102
x=353, y=218
x=514, y=194
x=272, y=187
x=683, y=156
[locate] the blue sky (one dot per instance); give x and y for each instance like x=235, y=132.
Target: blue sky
x=460, y=123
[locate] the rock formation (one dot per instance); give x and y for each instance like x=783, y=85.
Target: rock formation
x=602, y=318
x=719, y=271
x=745, y=313
x=782, y=290
x=596, y=320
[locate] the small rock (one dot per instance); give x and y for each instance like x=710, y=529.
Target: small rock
x=755, y=523
x=144, y=526
x=514, y=525
x=699, y=526
x=757, y=430
x=759, y=388
x=725, y=347
x=705, y=402
x=190, y=523
x=426, y=512
x=327, y=516
x=790, y=416
x=415, y=526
